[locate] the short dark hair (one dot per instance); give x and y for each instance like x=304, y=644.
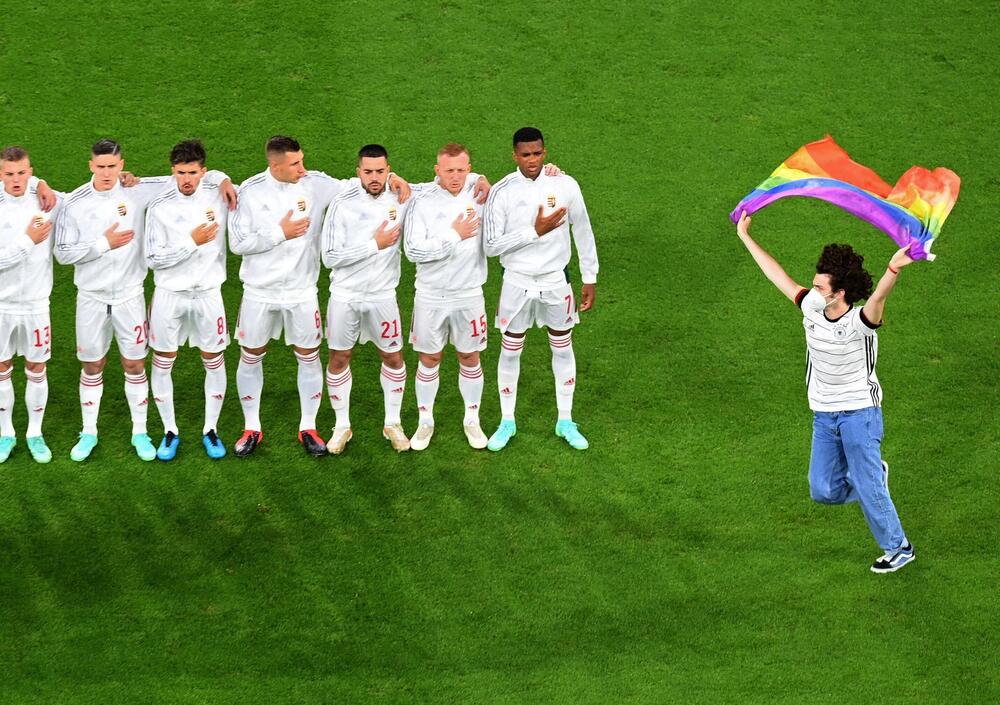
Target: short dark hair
x=281, y=144
x=188, y=151
x=13, y=153
x=373, y=151
x=847, y=272
x=106, y=146
x=528, y=134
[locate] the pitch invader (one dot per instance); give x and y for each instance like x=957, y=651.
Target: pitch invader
x=276, y=229
x=442, y=237
x=186, y=248
x=100, y=232
x=26, y=213
x=528, y=221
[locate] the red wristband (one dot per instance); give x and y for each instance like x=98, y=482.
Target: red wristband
x=894, y=271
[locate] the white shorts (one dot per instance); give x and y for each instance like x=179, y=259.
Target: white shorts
x=26, y=334
x=97, y=322
x=432, y=327
x=519, y=309
x=258, y=323
x=198, y=320
x=378, y=322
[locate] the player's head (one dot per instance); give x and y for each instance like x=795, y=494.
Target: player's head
x=453, y=166
x=529, y=151
x=373, y=168
x=840, y=274
x=15, y=170
x=285, y=159
x=187, y=164
x=106, y=164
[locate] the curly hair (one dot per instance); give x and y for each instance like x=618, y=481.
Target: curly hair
x=847, y=272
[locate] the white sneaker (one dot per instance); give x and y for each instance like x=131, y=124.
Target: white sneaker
x=395, y=435
x=422, y=438
x=339, y=440
x=477, y=439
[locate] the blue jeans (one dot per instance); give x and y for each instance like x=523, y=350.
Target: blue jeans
x=846, y=466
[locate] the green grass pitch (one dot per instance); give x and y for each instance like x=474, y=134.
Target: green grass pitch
x=680, y=559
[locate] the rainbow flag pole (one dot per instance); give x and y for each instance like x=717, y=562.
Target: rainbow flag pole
x=911, y=212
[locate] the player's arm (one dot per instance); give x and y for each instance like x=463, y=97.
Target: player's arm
x=772, y=270
x=497, y=238
x=14, y=250
x=251, y=234
x=149, y=187
x=326, y=188
x=71, y=248
x=336, y=250
x=162, y=250
x=47, y=197
x=875, y=305
x=422, y=245
x=586, y=249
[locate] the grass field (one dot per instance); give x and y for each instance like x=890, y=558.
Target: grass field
x=680, y=559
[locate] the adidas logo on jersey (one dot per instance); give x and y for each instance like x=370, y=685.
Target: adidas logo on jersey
x=439, y=216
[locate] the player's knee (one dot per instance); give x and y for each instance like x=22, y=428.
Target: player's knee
x=392, y=360
x=6, y=365
x=32, y=367
x=468, y=359
x=211, y=355
x=94, y=368
x=167, y=355
x=133, y=367
x=430, y=359
x=339, y=360
x=256, y=351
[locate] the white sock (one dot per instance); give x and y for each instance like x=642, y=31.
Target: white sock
x=36, y=395
x=393, y=386
x=508, y=371
x=564, y=371
x=426, y=386
x=137, y=395
x=91, y=390
x=7, y=403
x=339, y=385
x=249, y=385
x=310, y=382
x=215, y=390
x=163, y=390
x=470, y=385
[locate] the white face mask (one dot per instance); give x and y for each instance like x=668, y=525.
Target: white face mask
x=820, y=303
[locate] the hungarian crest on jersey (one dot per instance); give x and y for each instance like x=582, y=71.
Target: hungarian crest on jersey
x=551, y=200
x=122, y=210
x=302, y=205
x=210, y=214
x=469, y=212
x=393, y=213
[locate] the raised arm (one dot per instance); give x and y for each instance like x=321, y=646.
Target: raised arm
x=875, y=305
x=772, y=270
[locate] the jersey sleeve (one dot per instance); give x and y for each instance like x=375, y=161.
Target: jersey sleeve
x=800, y=297
x=498, y=239
x=148, y=188
x=336, y=251
x=163, y=248
x=15, y=250
x=421, y=243
x=326, y=187
x=70, y=247
x=249, y=232
x=583, y=237
x=863, y=325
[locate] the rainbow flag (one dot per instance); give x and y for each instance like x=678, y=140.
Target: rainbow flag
x=911, y=212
